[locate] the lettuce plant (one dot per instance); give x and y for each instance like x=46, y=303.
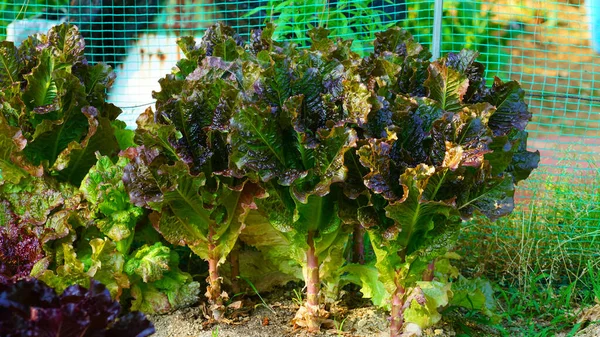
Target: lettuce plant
x=292, y=132
x=31, y=308
x=107, y=249
x=440, y=146
x=33, y=214
x=55, y=101
x=19, y=248
x=65, y=215
x=182, y=169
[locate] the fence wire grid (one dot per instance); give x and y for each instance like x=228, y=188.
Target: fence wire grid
x=545, y=45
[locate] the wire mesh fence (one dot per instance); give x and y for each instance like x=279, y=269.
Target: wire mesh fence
x=547, y=45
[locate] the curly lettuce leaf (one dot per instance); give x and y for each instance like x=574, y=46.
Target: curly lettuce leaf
x=10, y=171
x=329, y=163
x=35, y=199
x=194, y=143
x=54, y=131
x=173, y=291
x=61, y=113
x=10, y=65
x=511, y=109
x=73, y=163
x=103, y=187
x=414, y=216
x=159, y=286
x=466, y=63
x=427, y=299
x=185, y=219
x=99, y=260
x=446, y=86
x=19, y=248
x=259, y=145
x=474, y=294
x=41, y=93
x=149, y=262
x=383, y=175
x=68, y=45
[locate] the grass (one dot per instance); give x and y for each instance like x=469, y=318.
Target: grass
x=543, y=257
x=257, y=293
x=297, y=298
x=339, y=327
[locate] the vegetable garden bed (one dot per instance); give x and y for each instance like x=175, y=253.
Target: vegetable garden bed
x=334, y=169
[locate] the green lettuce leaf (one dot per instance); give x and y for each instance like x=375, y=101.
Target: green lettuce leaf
x=104, y=189
x=174, y=291
x=159, y=285
x=446, y=86
x=149, y=262
x=61, y=114
x=10, y=171
x=41, y=93
x=10, y=65
x=474, y=294
x=100, y=260
x=367, y=277
x=428, y=298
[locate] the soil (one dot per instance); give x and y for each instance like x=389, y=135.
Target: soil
x=590, y=331
x=351, y=317
x=254, y=319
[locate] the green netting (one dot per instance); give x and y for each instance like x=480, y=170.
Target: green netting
x=543, y=44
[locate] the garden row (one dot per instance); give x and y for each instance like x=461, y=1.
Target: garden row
x=305, y=154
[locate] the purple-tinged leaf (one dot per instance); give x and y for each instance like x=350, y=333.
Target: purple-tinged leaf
x=31, y=308
x=511, y=109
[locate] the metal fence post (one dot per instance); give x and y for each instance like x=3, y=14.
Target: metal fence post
x=436, y=43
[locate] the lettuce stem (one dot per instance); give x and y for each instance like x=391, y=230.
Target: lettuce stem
x=214, y=281
x=398, y=305
x=397, y=312
x=312, y=286
x=358, y=244
x=428, y=274
x=234, y=260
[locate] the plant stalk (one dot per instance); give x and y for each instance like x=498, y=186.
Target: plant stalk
x=397, y=322
x=234, y=260
x=213, y=293
x=397, y=312
x=312, y=286
x=358, y=244
x=428, y=274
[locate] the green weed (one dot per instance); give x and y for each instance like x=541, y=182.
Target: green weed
x=257, y=293
x=297, y=298
x=339, y=327
x=544, y=256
